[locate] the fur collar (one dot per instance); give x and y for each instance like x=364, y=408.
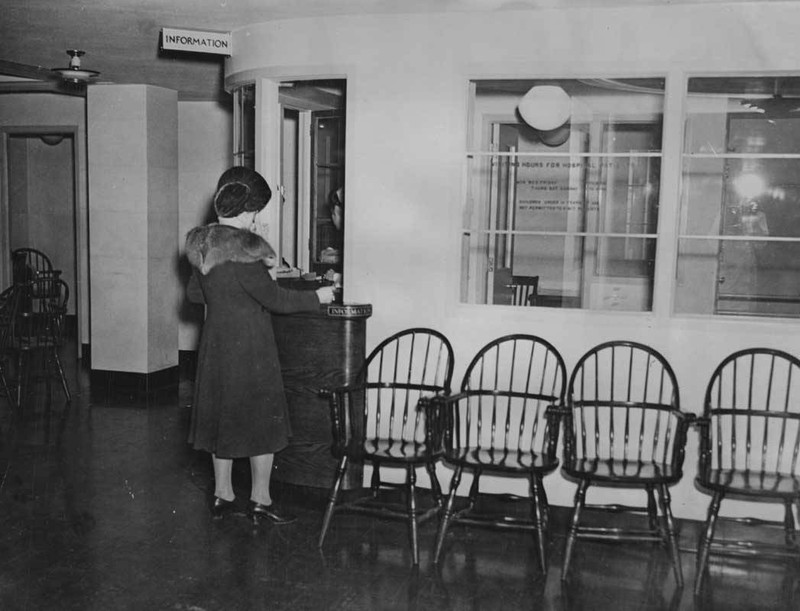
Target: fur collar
x=215, y=244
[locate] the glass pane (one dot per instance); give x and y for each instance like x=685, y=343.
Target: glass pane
x=576, y=206
x=738, y=277
x=557, y=263
x=244, y=145
x=328, y=164
x=742, y=157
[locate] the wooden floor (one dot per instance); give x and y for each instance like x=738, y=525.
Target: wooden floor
x=103, y=506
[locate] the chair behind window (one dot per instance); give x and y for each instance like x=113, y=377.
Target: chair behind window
x=524, y=290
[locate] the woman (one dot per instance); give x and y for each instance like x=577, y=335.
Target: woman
x=239, y=407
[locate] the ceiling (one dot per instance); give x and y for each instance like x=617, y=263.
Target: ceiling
x=121, y=37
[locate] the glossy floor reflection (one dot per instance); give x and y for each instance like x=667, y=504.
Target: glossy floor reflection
x=104, y=506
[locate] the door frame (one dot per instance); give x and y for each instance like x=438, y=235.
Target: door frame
x=80, y=272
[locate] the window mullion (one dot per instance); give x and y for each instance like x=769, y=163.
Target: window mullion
x=669, y=200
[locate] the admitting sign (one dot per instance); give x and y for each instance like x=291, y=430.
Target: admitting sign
x=196, y=41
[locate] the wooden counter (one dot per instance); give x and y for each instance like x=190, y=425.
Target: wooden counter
x=317, y=350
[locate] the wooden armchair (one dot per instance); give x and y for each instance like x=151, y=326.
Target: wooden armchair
x=749, y=448
x=378, y=421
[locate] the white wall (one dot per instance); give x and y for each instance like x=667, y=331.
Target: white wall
x=406, y=141
x=205, y=150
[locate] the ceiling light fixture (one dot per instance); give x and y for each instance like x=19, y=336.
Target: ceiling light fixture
x=74, y=73
x=545, y=107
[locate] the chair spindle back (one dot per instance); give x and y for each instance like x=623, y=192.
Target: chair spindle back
x=752, y=403
x=412, y=364
x=509, y=384
x=624, y=404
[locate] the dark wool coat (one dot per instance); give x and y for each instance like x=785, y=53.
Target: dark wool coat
x=239, y=404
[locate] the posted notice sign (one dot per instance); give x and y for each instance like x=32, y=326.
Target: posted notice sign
x=196, y=41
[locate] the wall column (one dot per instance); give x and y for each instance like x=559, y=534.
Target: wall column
x=133, y=229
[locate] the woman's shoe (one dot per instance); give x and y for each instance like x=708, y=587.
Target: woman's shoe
x=258, y=511
x=220, y=507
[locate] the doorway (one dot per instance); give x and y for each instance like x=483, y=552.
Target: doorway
x=39, y=203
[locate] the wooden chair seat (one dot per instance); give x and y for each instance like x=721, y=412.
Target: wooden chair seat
x=622, y=471
x=503, y=460
x=393, y=450
x=753, y=483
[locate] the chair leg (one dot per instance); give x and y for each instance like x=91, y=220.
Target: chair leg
x=411, y=478
x=572, y=535
x=705, y=542
x=788, y=523
x=334, y=495
x=540, y=518
x=474, y=487
x=546, y=506
x=447, y=514
x=375, y=481
x=652, y=510
x=60, y=369
x=436, y=489
x=672, y=537
x=7, y=390
x=23, y=370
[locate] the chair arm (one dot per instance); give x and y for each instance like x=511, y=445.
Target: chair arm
x=558, y=409
x=554, y=413
x=338, y=406
x=327, y=393
x=440, y=400
x=567, y=423
x=437, y=418
x=702, y=424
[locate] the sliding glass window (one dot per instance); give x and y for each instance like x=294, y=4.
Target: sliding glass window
x=739, y=240
x=562, y=194
x=244, y=126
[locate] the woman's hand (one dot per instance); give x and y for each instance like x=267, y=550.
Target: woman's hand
x=325, y=294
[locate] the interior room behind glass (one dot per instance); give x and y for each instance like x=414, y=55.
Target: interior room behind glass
x=573, y=205
x=739, y=244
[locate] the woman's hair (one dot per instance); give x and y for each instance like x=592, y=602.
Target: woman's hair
x=239, y=190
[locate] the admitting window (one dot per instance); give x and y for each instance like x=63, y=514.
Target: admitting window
x=563, y=187
x=739, y=242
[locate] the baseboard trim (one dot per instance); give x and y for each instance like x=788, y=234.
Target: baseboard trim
x=104, y=383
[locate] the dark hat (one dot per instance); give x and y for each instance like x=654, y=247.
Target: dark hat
x=239, y=190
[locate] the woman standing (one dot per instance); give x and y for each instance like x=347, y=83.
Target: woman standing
x=239, y=406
